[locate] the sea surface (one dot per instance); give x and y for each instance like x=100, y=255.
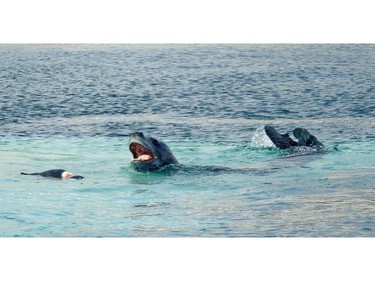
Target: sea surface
x=74, y=106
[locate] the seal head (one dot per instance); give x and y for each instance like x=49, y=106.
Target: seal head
x=149, y=154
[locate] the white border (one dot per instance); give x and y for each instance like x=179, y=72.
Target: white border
x=186, y=259
x=193, y=21
x=186, y=21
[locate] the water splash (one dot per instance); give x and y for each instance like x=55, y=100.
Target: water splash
x=260, y=139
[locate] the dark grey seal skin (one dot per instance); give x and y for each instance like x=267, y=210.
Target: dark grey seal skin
x=149, y=154
x=55, y=173
x=283, y=141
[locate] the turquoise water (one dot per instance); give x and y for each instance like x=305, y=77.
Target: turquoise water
x=330, y=195
x=73, y=107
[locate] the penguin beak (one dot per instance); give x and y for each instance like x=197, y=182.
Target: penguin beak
x=77, y=177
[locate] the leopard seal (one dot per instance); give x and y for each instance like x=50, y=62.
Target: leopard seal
x=55, y=173
x=149, y=154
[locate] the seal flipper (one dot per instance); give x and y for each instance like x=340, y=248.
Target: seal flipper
x=281, y=141
x=305, y=138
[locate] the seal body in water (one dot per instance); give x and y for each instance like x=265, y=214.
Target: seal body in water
x=55, y=173
x=283, y=141
x=149, y=153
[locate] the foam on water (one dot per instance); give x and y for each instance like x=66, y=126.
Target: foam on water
x=260, y=138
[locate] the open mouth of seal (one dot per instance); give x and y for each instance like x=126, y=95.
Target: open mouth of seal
x=140, y=153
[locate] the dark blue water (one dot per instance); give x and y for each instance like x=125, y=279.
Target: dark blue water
x=73, y=107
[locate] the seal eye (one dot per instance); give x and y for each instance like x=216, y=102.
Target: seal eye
x=155, y=142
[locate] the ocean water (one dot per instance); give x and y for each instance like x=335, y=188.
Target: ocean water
x=74, y=106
